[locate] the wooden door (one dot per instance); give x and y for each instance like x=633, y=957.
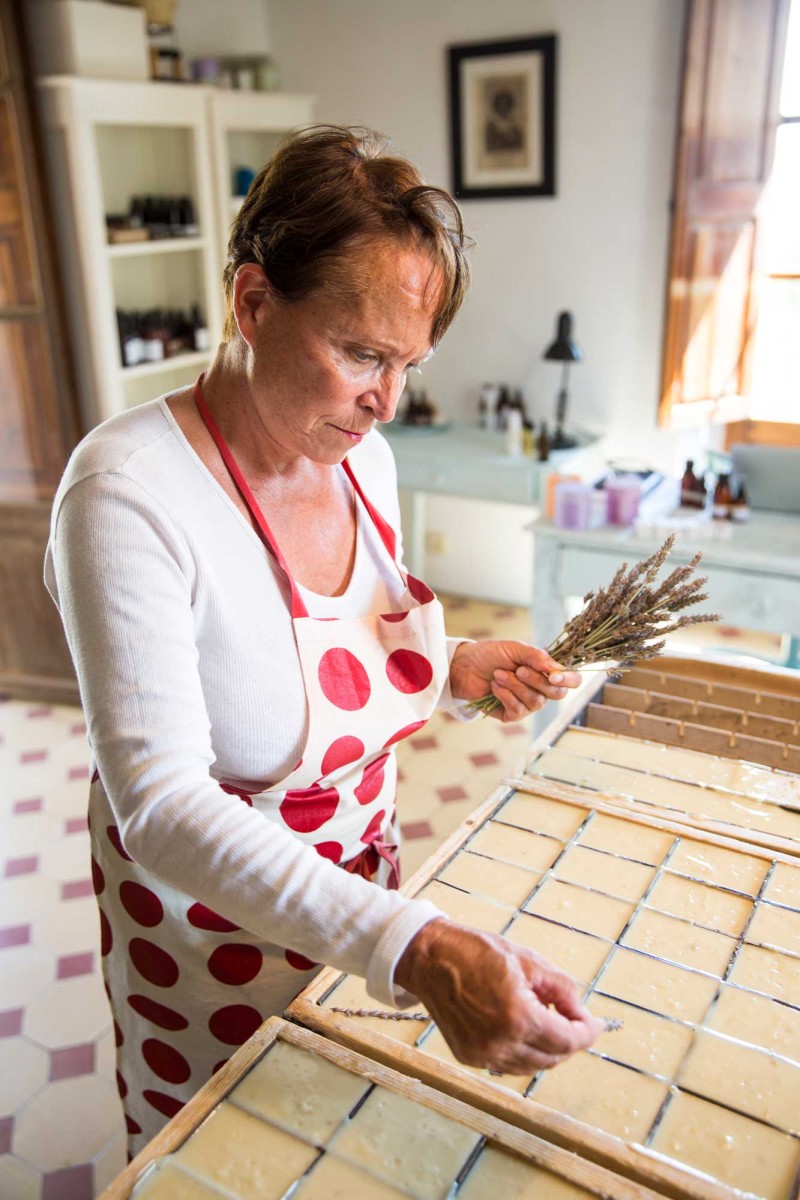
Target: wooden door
x=38, y=415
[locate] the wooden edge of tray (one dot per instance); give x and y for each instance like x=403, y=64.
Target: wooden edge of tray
x=782, y=680
x=561, y=1162
x=692, y=735
x=729, y=837
x=568, y=1135
x=649, y=677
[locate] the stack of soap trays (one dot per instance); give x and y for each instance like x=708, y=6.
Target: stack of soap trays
x=608, y=860
x=295, y=1116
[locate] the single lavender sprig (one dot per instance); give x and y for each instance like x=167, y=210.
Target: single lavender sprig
x=626, y=622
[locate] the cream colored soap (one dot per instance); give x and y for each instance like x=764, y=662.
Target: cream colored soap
x=768, y=971
x=716, y=865
x=602, y=1094
x=505, y=842
x=500, y=1175
x=333, y=1179
x=467, y=909
x=604, y=873
x=679, y=942
x=352, y=993
x=302, y=1092
x=574, y=906
x=245, y=1156
x=731, y=1148
x=168, y=1182
x=487, y=877
x=626, y=839
x=437, y=1047
x=542, y=815
x=758, y=1020
x=406, y=1144
x=708, y=906
x=783, y=886
x=658, y=986
x=772, y=926
x=578, y=954
x=649, y=1042
x=758, y=1084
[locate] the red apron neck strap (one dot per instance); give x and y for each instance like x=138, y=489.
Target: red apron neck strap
x=387, y=534
x=298, y=606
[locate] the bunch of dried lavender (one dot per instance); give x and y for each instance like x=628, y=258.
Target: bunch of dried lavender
x=628, y=620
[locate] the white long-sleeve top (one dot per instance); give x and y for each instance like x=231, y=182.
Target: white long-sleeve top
x=179, y=626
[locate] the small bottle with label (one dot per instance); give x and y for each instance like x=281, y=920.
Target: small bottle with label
x=721, y=505
x=202, y=338
x=543, y=444
x=689, y=486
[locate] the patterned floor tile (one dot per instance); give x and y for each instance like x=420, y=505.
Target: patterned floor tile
x=81, y=1116
x=74, y=1183
x=18, y=1181
x=68, y=1013
x=70, y=1061
x=25, y=1071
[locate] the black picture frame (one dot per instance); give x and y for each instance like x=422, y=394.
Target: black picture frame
x=502, y=118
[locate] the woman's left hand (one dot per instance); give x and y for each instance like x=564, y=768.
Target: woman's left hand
x=522, y=677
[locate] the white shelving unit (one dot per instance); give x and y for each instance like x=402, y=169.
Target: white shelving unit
x=107, y=141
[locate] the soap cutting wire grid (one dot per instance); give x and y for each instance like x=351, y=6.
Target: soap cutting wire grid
x=595, y=987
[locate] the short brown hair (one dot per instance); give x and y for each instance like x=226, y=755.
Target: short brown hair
x=328, y=187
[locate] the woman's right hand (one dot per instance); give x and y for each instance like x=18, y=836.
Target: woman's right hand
x=497, y=1005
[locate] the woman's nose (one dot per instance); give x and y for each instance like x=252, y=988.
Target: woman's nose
x=385, y=396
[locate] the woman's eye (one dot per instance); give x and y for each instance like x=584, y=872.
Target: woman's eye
x=364, y=356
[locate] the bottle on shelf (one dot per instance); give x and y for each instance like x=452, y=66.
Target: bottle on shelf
x=513, y=433
x=483, y=410
x=528, y=438
x=740, y=505
x=689, y=486
x=721, y=505
x=501, y=409
x=201, y=337
x=543, y=443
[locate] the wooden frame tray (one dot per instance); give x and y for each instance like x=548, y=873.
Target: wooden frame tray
x=360, y=1132
x=721, y=990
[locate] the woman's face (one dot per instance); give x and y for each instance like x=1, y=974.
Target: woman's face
x=326, y=368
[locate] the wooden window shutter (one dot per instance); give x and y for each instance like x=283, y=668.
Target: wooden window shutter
x=729, y=110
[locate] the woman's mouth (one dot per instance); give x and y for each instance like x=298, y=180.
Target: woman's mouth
x=352, y=434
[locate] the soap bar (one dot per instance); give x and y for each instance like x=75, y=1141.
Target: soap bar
x=658, y=986
x=467, y=909
x=602, y=1094
x=767, y=971
x=244, y=1156
x=333, y=1179
x=708, y=906
x=604, y=873
x=716, y=865
x=645, y=1040
x=783, y=886
x=757, y=1020
x=772, y=926
x=575, y=906
x=679, y=942
x=732, y=1148
x=577, y=954
x=302, y=1092
x=500, y=1175
x=513, y=845
x=405, y=1144
x=437, y=1047
x=352, y=993
x=168, y=1182
x=626, y=839
x=487, y=877
x=542, y=815
x=756, y=1083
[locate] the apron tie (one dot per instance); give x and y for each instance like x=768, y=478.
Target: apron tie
x=367, y=862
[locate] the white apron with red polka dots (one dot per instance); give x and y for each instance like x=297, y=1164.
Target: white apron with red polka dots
x=186, y=985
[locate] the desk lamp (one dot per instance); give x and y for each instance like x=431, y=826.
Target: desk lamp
x=566, y=351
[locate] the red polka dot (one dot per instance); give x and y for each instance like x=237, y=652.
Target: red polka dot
x=343, y=679
x=119, y=1037
x=373, y=830
x=408, y=671
x=419, y=590
x=157, y=1014
x=168, y=1106
x=344, y=750
x=306, y=809
x=98, y=878
x=165, y=1061
x=405, y=732
x=299, y=961
x=131, y=1127
x=398, y=616
x=141, y=904
x=331, y=850
x=222, y=1062
x=371, y=781
x=235, y=963
x=232, y=791
x=106, y=936
x=116, y=842
x=234, y=1024
x=205, y=918
x=122, y=1086
x=153, y=963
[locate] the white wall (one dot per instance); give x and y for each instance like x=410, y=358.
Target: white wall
x=599, y=248
x=208, y=27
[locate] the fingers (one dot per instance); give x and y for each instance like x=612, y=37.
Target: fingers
x=517, y=699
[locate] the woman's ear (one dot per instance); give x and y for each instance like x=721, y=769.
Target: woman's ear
x=251, y=289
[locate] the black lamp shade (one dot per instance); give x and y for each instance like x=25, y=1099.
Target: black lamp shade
x=564, y=349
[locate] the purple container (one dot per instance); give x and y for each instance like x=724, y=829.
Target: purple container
x=624, y=493
x=572, y=506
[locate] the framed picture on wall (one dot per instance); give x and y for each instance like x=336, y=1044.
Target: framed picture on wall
x=502, y=112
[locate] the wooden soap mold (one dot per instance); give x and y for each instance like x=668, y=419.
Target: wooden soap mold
x=644, y=1167
x=652, y=677
x=563, y=1165
x=626, y=803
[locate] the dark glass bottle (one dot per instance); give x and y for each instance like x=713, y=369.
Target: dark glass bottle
x=689, y=486
x=722, y=499
x=543, y=443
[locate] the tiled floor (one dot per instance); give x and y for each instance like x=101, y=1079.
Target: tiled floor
x=61, y=1130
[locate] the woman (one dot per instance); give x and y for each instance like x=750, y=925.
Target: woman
x=250, y=650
